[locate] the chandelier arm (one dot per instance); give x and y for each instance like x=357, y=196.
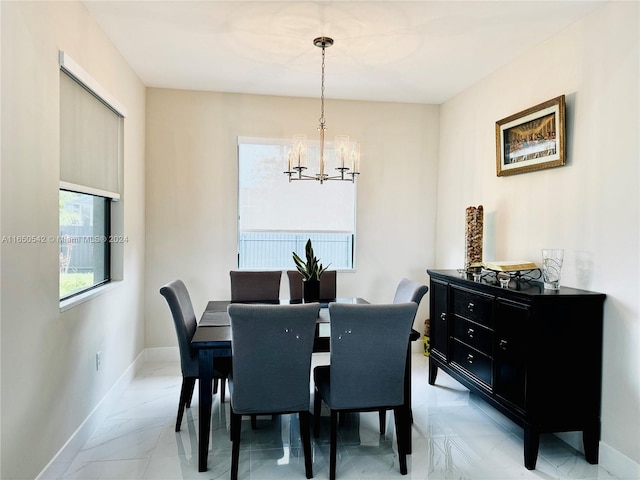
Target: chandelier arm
x=300, y=176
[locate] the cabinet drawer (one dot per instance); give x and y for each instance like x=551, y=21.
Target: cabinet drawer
x=473, y=306
x=474, y=335
x=474, y=362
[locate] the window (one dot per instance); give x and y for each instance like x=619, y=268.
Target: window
x=83, y=240
x=90, y=157
x=276, y=217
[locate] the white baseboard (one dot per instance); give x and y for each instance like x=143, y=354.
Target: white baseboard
x=162, y=354
x=572, y=438
x=77, y=440
x=621, y=466
x=417, y=346
x=618, y=464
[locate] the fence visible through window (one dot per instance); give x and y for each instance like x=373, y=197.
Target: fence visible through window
x=273, y=250
x=83, y=242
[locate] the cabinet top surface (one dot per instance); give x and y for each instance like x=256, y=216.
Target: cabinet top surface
x=489, y=283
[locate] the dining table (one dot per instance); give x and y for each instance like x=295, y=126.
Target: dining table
x=212, y=339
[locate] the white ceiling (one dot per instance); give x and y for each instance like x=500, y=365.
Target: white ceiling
x=404, y=51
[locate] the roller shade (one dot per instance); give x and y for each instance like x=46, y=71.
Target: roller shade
x=90, y=138
x=269, y=202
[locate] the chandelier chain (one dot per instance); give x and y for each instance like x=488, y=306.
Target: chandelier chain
x=322, y=92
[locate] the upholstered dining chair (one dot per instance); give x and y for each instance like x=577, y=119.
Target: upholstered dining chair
x=255, y=286
x=184, y=320
x=367, y=366
x=272, y=346
x=406, y=291
x=409, y=291
x=327, y=284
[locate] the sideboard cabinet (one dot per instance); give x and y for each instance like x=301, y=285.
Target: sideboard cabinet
x=533, y=354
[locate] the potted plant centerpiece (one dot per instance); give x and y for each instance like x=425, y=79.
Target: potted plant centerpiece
x=311, y=271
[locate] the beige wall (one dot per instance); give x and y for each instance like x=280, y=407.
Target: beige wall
x=192, y=190
x=49, y=381
x=590, y=207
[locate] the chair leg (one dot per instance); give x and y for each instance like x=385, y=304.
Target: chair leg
x=215, y=386
x=192, y=384
x=185, y=398
x=333, y=447
x=383, y=421
x=305, y=433
x=254, y=422
x=402, y=424
x=235, y=448
x=223, y=383
x=317, y=403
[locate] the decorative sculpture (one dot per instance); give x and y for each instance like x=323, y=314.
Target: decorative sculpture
x=473, y=239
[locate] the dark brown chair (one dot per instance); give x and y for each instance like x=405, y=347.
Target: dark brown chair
x=327, y=285
x=255, y=287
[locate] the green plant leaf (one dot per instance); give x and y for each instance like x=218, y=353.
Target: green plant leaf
x=311, y=269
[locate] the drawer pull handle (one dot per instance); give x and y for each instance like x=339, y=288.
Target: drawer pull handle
x=471, y=306
x=469, y=358
x=470, y=332
x=443, y=316
x=503, y=345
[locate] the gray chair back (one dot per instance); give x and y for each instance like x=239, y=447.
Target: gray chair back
x=409, y=291
x=249, y=286
x=368, y=354
x=271, y=352
x=184, y=320
x=328, y=281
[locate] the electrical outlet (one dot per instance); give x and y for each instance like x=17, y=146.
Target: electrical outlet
x=98, y=360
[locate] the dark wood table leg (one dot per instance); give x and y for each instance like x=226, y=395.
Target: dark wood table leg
x=531, y=445
x=591, y=440
x=205, y=357
x=408, y=417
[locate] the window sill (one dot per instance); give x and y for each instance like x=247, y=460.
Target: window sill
x=86, y=296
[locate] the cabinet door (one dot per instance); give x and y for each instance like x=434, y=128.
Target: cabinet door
x=510, y=351
x=438, y=325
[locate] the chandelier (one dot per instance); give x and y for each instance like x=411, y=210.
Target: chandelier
x=346, y=153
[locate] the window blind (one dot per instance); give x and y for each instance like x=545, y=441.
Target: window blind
x=267, y=201
x=90, y=138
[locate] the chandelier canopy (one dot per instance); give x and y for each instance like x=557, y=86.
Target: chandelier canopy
x=346, y=152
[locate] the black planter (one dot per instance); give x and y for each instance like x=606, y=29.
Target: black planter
x=311, y=290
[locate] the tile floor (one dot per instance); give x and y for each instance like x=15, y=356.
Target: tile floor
x=455, y=436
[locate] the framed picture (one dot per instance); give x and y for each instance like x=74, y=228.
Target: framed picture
x=532, y=139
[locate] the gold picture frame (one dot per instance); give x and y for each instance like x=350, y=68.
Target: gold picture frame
x=531, y=140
